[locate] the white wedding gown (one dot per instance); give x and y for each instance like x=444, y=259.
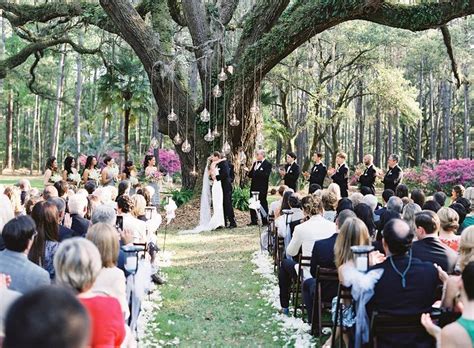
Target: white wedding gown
x=210, y=195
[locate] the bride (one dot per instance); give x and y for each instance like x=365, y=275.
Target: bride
x=211, y=194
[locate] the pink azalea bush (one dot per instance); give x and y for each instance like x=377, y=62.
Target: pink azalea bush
x=418, y=177
x=168, y=159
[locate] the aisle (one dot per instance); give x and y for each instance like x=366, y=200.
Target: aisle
x=212, y=297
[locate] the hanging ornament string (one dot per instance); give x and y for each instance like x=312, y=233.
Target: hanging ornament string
x=217, y=93
x=172, y=116
x=209, y=136
x=205, y=113
x=186, y=147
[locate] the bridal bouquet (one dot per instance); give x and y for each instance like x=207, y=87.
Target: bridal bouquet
x=154, y=176
x=55, y=178
x=75, y=177
x=94, y=175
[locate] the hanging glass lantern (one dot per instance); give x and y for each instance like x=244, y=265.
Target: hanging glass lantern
x=226, y=148
x=216, y=91
x=154, y=143
x=172, y=117
x=230, y=69
x=205, y=115
x=186, y=147
x=209, y=136
x=177, y=139
x=234, y=122
x=216, y=133
x=222, y=75
x=194, y=172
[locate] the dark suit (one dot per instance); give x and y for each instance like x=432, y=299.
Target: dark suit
x=65, y=233
x=341, y=177
x=392, y=178
x=260, y=174
x=416, y=298
x=322, y=256
x=231, y=171
x=432, y=250
x=318, y=174
x=79, y=225
x=367, y=179
x=292, y=175
x=225, y=179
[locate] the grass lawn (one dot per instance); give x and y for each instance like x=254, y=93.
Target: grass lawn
x=211, y=297
x=36, y=181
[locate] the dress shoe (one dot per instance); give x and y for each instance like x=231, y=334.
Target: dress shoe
x=232, y=226
x=157, y=279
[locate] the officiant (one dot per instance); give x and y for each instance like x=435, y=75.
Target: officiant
x=259, y=175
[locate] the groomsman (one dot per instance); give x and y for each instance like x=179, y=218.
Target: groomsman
x=394, y=175
x=318, y=171
x=340, y=176
x=367, y=179
x=259, y=174
x=291, y=172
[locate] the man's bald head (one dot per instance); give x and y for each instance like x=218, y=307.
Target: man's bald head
x=397, y=236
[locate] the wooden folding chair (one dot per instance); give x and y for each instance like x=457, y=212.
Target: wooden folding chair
x=303, y=261
x=343, y=295
x=271, y=230
x=317, y=322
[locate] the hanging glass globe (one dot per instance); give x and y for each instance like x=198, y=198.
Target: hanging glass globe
x=172, y=117
x=154, y=143
x=186, y=147
x=194, y=172
x=234, y=122
x=230, y=69
x=226, y=148
x=216, y=133
x=222, y=75
x=177, y=139
x=216, y=91
x=205, y=115
x=209, y=136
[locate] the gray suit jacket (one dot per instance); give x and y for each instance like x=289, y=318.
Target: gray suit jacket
x=26, y=275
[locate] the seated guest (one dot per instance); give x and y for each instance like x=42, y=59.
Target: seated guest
x=431, y=205
x=47, y=317
x=275, y=206
x=25, y=187
x=440, y=197
x=457, y=192
x=395, y=204
x=393, y=209
x=125, y=208
x=356, y=198
x=77, y=209
x=92, y=202
x=372, y=202
x=6, y=214
x=401, y=191
x=323, y=256
x=407, y=285
x=7, y=297
x=469, y=220
x=386, y=194
x=449, y=223
x=461, y=332
x=459, y=208
x=49, y=191
x=18, y=235
x=90, y=187
x=329, y=205
x=343, y=204
x=123, y=188
x=64, y=232
x=139, y=205
x=409, y=212
x=316, y=228
x=78, y=263
x=62, y=187
x=283, y=221
x=418, y=197
x=428, y=247
x=313, y=188
x=111, y=280
x=46, y=241
x=333, y=187
x=364, y=213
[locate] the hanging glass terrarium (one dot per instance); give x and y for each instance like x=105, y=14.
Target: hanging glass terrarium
x=172, y=117
x=222, y=75
x=177, y=140
x=226, y=148
x=209, y=136
x=205, y=116
x=186, y=147
x=234, y=122
x=217, y=91
x=216, y=133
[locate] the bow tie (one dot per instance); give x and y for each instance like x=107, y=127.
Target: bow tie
x=259, y=162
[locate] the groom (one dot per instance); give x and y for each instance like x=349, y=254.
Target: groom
x=226, y=181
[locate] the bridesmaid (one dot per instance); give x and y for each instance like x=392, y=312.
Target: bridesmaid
x=130, y=174
x=51, y=170
x=69, y=168
x=150, y=169
x=108, y=177
x=91, y=163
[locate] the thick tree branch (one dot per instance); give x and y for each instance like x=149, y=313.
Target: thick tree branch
x=227, y=9
x=449, y=49
x=176, y=12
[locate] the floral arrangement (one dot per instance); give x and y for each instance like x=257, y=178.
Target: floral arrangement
x=55, y=178
x=419, y=177
x=114, y=171
x=75, y=177
x=168, y=160
x=154, y=176
x=94, y=175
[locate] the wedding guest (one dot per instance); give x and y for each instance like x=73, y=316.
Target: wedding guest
x=6, y=211
x=386, y=194
x=372, y=202
x=145, y=192
x=7, y=297
x=317, y=173
x=431, y=205
x=291, y=172
x=91, y=164
x=356, y=198
x=428, y=247
x=111, y=280
x=340, y=175
x=449, y=222
x=104, y=214
x=304, y=236
x=457, y=192
x=64, y=232
x=78, y=264
x=124, y=208
x=394, y=175
x=367, y=178
x=459, y=208
x=14, y=195
x=139, y=205
x=395, y=204
x=78, y=209
x=129, y=171
x=407, y=285
x=123, y=189
x=109, y=174
x=92, y=202
x=50, y=316
x=469, y=220
x=49, y=191
x=343, y=204
x=50, y=170
x=90, y=186
x=364, y=213
x=62, y=187
x=418, y=197
x=275, y=206
x=46, y=242
x=18, y=235
x=409, y=213
x=259, y=174
x=333, y=187
x=313, y=188
x=329, y=204
x=25, y=187
x=283, y=221
x=402, y=191
x=69, y=168
x=440, y=197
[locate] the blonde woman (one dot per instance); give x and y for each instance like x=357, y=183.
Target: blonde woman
x=409, y=212
x=111, y=280
x=335, y=189
x=139, y=205
x=329, y=199
x=449, y=222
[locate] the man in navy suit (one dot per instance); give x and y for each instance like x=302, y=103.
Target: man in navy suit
x=77, y=209
x=340, y=176
x=428, y=247
x=260, y=174
x=407, y=285
x=225, y=178
x=291, y=172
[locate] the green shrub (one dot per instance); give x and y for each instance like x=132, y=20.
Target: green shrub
x=240, y=198
x=182, y=196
